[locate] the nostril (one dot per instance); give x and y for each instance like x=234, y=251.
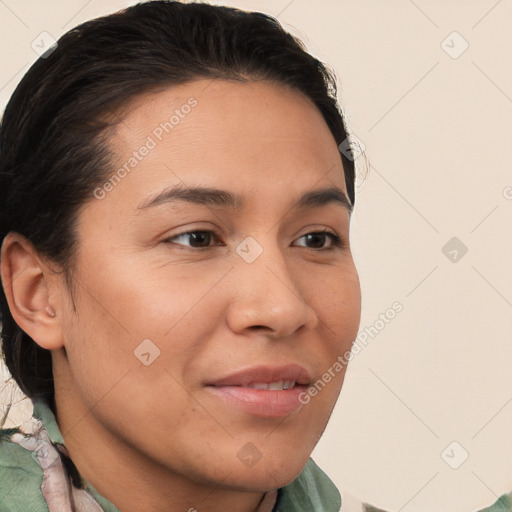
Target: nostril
x=258, y=327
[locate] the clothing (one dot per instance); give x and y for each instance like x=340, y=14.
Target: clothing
x=503, y=504
x=36, y=476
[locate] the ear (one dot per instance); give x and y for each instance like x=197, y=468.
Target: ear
x=29, y=287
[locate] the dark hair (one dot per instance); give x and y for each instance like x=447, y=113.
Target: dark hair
x=53, y=139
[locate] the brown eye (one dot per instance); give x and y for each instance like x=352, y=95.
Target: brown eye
x=318, y=238
x=197, y=239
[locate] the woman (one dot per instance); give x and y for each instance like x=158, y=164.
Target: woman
x=179, y=293
x=176, y=265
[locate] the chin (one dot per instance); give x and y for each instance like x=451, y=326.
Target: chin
x=271, y=471
x=263, y=479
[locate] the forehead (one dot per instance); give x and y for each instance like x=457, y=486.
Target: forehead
x=234, y=135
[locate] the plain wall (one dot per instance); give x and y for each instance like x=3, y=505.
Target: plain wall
x=437, y=130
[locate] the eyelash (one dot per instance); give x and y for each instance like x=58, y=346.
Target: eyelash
x=337, y=241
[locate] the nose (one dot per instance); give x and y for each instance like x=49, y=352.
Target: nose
x=267, y=297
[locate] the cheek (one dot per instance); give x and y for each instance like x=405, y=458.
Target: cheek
x=129, y=316
x=335, y=296
x=336, y=299
x=150, y=297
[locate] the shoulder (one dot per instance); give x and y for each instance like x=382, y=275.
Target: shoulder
x=20, y=475
x=503, y=504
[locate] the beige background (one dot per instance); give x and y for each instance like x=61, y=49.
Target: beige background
x=437, y=130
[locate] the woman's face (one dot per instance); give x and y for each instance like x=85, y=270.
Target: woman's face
x=175, y=334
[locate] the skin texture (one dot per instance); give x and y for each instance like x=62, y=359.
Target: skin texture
x=151, y=437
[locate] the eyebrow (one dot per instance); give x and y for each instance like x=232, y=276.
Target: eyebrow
x=218, y=198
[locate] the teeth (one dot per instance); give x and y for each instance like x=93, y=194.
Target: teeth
x=275, y=386
x=259, y=386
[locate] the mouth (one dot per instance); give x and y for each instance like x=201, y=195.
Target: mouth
x=289, y=375
x=264, y=391
x=280, y=385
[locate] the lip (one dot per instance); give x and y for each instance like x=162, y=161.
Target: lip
x=264, y=374
x=234, y=390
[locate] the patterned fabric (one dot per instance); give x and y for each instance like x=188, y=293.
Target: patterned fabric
x=36, y=475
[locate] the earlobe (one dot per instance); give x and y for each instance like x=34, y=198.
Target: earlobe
x=26, y=281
